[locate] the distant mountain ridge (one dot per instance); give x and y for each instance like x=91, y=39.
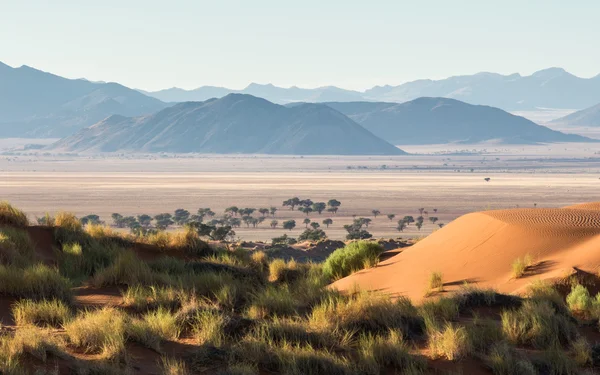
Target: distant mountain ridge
x=34, y=103
x=236, y=123
x=443, y=120
x=548, y=88
x=589, y=117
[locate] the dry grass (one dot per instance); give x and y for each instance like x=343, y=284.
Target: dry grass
x=43, y=313
x=451, y=342
x=11, y=216
x=171, y=366
x=273, y=301
x=520, y=265
x=351, y=258
x=436, y=282
x=153, y=328
x=34, y=282
x=380, y=352
x=143, y=297
x=127, y=269
x=208, y=327
x=16, y=247
x=100, y=331
x=67, y=221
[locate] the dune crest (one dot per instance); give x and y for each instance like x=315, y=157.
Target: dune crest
x=479, y=248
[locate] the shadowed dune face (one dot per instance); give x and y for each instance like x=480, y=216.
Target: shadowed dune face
x=479, y=248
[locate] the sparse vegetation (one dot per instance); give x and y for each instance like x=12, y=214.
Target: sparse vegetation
x=351, y=258
x=520, y=265
x=11, y=216
x=42, y=313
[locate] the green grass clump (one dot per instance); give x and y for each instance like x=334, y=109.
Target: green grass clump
x=451, y=342
x=99, y=332
x=353, y=257
x=439, y=310
x=366, y=312
x=42, y=313
x=154, y=327
x=11, y=216
x=143, y=298
x=208, y=327
x=35, y=282
x=502, y=359
x=537, y=324
x=581, y=351
x=436, y=281
x=296, y=332
x=380, y=352
x=25, y=344
x=519, y=266
x=579, y=299
x=81, y=261
x=127, y=269
x=16, y=247
x=168, y=265
x=189, y=242
x=273, y=301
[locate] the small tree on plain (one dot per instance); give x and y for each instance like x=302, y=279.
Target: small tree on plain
x=289, y=224
x=391, y=217
x=401, y=225
x=328, y=222
x=314, y=225
x=333, y=205
x=181, y=216
x=319, y=207
x=433, y=219
x=307, y=210
x=375, y=213
x=306, y=222
x=263, y=211
x=274, y=224
x=144, y=220
x=273, y=210
x=163, y=221
x=233, y=210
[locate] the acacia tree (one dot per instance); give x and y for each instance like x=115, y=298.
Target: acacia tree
x=181, y=216
x=144, y=220
x=408, y=219
x=117, y=220
x=356, y=232
x=421, y=211
x=435, y=210
x=375, y=213
x=291, y=203
x=433, y=219
x=90, y=219
x=307, y=210
x=314, y=225
x=233, y=210
x=272, y=210
x=333, y=205
x=440, y=225
x=319, y=207
x=401, y=225
x=289, y=224
x=391, y=217
x=419, y=224
x=263, y=211
x=162, y=221
x=328, y=222
x=274, y=224
x=306, y=222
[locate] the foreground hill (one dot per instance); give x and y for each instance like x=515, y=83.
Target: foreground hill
x=39, y=104
x=549, y=88
x=442, y=120
x=234, y=124
x=480, y=249
x=585, y=117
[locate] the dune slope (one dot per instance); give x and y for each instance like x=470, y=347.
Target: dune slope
x=479, y=248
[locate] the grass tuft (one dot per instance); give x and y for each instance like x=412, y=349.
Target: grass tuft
x=351, y=258
x=451, y=342
x=35, y=282
x=42, y=313
x=520, y=265
x=99, y=331
x=11, y=216
x=16, y=247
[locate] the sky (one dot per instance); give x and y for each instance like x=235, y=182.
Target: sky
x=157, y=44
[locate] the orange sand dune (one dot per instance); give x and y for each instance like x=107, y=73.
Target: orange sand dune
x=586, y=206
x=480, y=248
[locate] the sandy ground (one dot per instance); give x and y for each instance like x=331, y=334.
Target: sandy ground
x=549, y=176
x=480, y=248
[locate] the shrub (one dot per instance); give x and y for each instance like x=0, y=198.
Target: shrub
x=537, y=324
x=35, y=342
x=141, y=297
x=581, y=352
x=280, y=271
x=483, y=333
x=579, y=299
x=442, y=309
x=47, y=312
x=520, y=265
x=68, y=221
x=543, y=290
x=79, y=262
x=100, y=331
x=35, y=282
x=16, y=247
x=11, y=216
x=451, y=342
x=312, y=235
x=351, y=258
x=377, y=353
x=127, y=269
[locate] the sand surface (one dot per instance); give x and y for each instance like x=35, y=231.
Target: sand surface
x=479, y=248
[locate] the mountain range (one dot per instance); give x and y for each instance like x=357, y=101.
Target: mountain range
x=39, y=104
x=549, y=88
x=443, y=120
x=589, y=117
x=236, y=123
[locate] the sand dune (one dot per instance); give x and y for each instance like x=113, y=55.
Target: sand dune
x=479, y=248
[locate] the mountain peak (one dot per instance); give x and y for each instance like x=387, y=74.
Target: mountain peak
x=550, y=73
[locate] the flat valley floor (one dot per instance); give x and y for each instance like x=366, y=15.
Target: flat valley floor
x=448, y=178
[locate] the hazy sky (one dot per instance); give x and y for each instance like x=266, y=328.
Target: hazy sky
x=154, y=44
